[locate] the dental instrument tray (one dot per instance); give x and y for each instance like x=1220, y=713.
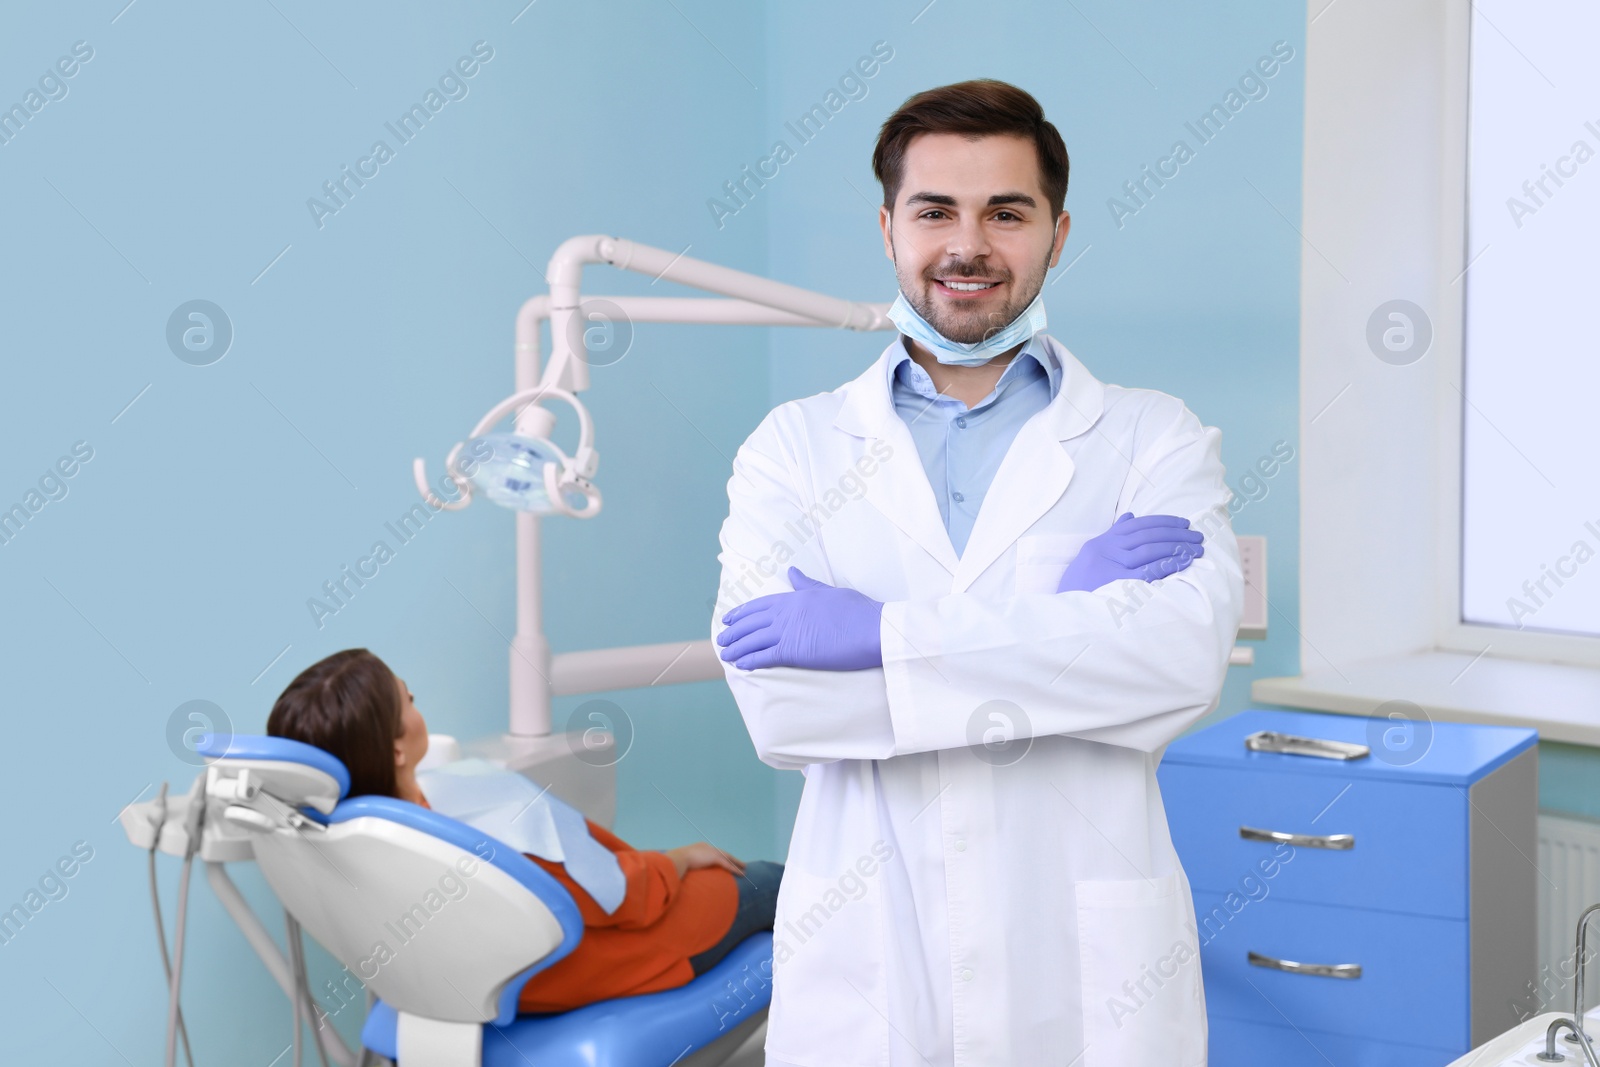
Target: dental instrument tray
x=1295, y=745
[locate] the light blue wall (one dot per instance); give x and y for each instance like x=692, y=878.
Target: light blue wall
x=180, y=561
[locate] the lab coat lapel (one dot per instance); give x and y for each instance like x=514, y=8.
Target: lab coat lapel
x=899, y=488
x=1036, y=469
x=1031, y=477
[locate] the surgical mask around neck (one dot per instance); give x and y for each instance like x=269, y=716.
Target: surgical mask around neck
x=1019, y=331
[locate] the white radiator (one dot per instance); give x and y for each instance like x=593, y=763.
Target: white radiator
x=1569, y=881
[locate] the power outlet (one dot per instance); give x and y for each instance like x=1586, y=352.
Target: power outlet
x=1253, y=561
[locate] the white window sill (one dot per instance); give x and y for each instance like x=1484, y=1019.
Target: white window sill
x=1561, y=701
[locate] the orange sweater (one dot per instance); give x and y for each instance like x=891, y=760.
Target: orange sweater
x=642, y=947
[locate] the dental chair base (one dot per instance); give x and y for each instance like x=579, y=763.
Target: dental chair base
x=435, y=1041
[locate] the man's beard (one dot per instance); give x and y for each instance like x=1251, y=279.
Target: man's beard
x=970, y=327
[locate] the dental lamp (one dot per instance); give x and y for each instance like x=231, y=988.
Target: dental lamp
x=524, y=470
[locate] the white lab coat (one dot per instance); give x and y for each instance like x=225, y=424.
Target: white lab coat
x=950, y=904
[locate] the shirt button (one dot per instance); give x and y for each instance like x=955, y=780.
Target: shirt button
x=962, y=422
x=957, y=497
x=961, y=845
x=966, y=974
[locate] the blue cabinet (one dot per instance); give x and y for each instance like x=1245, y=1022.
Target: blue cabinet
x=1380, y=908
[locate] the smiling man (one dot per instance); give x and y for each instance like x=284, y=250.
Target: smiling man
x=980, y=871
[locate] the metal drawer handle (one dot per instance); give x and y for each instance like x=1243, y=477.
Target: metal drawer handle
x=1319, y=970
x=1294, y=745
x=1335, y=842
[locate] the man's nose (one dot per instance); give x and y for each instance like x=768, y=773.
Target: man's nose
x=967, y=241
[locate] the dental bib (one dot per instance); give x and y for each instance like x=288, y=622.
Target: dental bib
x=516, y=811
x=920, y=330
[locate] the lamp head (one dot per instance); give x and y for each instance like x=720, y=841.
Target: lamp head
x=520, y=472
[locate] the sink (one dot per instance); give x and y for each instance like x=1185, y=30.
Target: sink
x=1520, y=1046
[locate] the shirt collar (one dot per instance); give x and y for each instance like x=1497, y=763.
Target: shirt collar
x=867, y=404
x=1034, y=356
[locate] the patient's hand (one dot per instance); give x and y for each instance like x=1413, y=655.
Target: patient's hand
x=703, y=854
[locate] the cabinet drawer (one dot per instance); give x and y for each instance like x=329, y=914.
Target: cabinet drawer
x=1413, y=986
x=1409, y=850
x=1242, y=1044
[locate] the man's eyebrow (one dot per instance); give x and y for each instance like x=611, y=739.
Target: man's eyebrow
x=997, y=200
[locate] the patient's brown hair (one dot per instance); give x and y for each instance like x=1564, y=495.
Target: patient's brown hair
x=348, y=705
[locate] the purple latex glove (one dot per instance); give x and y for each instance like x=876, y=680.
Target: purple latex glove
x=818, y=626
x=1148, y=547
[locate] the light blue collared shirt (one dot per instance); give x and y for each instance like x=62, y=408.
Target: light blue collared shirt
x=961, y=449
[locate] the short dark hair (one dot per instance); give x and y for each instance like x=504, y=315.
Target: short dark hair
x=979, y=108
x=348, y=705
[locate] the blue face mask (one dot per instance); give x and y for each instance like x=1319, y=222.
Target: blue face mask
x=1021, y=330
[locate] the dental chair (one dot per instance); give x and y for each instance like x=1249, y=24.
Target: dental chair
x=445, y=925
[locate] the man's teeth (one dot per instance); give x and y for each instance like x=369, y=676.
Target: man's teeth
x=969, y=287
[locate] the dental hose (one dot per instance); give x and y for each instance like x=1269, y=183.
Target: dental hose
x=298, y=999
x=195, y=814
x=155, y=901
x=159, y=821
x=302, y=992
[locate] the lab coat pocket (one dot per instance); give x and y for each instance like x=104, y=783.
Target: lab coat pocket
x=827, y=1004
x=1142, y=1000
x=1042, y=559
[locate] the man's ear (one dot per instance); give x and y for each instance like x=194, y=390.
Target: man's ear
x=1063, y=224
x=885, y=223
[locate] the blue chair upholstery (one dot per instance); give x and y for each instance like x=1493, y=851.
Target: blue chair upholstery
x=214, y=746
x=650, y=1030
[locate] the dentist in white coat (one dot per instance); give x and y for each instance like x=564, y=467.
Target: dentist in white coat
x=972, y=595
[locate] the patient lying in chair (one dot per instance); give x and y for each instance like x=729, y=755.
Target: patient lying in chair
x=683, y=911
